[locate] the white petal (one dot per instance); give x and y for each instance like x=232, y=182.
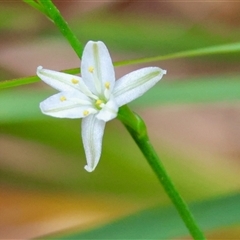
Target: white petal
x=63, y=81
x=108, y=112
x=92, y=134
x=97, y=68
x=135, y=84
x=67, y=105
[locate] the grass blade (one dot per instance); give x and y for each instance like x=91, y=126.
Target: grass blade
x=164, y=223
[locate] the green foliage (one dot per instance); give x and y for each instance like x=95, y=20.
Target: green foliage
x=146, y=36
x=125, y=174
x=228, y=48
x=164, y=223
x=184, y=91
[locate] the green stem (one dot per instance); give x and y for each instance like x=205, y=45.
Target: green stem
x=54, y=14
x=137, y=128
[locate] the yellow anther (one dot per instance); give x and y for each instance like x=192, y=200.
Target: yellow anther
x=75, y=81
x=90, y=69
x=85, y=113
x=98, y=102
x=107, y=85
x=62, y=98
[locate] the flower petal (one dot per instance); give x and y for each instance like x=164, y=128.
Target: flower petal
x=108, y=112
x=63, y=81
x=97, y=67
x=92, y=134
x=135, y=84
x=67, y=105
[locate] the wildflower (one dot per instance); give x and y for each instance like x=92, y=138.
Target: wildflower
x=96, y=96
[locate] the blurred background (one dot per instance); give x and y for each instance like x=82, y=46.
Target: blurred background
x=44, y=188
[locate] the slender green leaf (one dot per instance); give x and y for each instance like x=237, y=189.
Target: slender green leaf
x=164, y=223
x=31, y=79
x=19, y=81
x=222, y=49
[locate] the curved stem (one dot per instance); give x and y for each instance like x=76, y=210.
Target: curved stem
x=137, y=128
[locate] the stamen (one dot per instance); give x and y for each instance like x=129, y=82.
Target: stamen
x=85, y=112
x=98, y=102
x=75, y=81
x=62, y=99
x=91, y=69
x=107, y=85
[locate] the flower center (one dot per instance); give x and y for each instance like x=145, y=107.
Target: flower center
x=99, y=104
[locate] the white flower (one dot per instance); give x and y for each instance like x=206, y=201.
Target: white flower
x=96, y=96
